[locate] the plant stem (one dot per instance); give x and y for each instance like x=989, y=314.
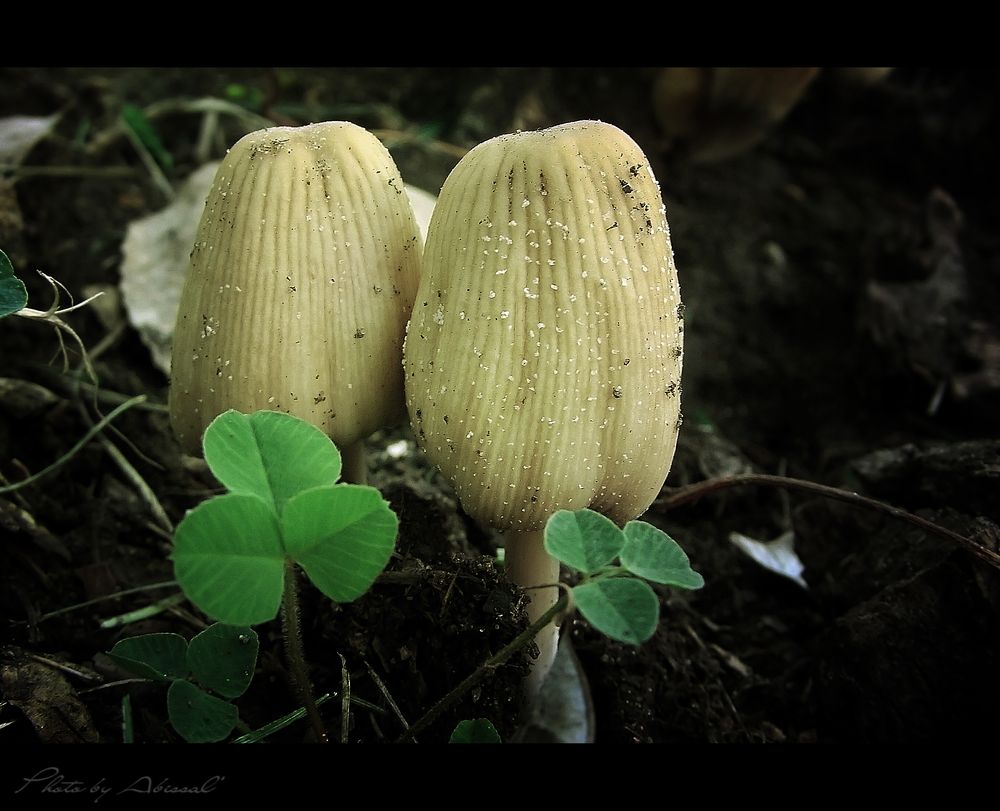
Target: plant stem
x=115, y=596
x=269, y=729
x=77, y=447
x=68, y=171
x=293, y=647
x=692, y=492
x=484, y=670
x=133, y=475
x=345, y=701
x=68, y=383
x=143, y=613
x=355, y=466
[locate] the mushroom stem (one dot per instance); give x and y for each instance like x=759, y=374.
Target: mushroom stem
x=354, y=467
x=529, y=565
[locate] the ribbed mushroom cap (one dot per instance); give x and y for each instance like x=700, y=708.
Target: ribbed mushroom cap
x=543, y=358
x=301, y=281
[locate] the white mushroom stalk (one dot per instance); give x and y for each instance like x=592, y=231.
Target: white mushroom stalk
x=301, y=281
x=543, y=358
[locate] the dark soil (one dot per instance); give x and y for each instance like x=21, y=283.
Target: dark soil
x=842, y=290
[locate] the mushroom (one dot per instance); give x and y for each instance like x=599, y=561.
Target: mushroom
x=543, y=357
x=300, y=284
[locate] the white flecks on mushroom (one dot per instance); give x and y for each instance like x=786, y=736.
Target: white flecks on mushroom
x=570, y=426
x=632, y=313
x=295, y=325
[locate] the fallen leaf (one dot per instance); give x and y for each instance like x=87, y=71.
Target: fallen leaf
x=155, y=258
x=46, y=698
x=563, y=712
x=19, y=133
x=777, y=556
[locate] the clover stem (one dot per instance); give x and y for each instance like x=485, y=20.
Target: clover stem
x=547, y=619
x=293, y=647
x=354, y=468
x=530, y=566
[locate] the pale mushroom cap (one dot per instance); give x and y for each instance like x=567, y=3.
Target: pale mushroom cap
x=543, y=358
x=301, y=281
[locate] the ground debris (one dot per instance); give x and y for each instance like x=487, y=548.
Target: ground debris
x=18, y=521
x=11, y=224
x=21, y=398
x=46, y=698
x=884, y=676
x=982, y=345
x=962, y=475
x=922, y=322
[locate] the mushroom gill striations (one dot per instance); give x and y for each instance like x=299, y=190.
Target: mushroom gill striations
x=301, y=280
x=543, y=357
